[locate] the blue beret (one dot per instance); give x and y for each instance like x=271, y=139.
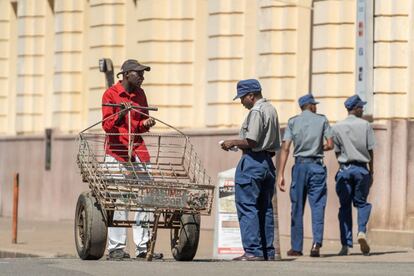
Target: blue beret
x=247, y=86
x=307, y=99
x=354, y=101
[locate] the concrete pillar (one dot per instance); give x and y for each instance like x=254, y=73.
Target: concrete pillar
x=410, y=171
x=398, y=207
x=410, y=73
x=226, y=51
x=391, y=67
x=380, y=193
x=67, y=86
x=410, y=115
x=303, y=49
x=278, y=52
x=169, y=31
x=250, y=40
x=333, y=50
x=31, y=88
x=106, y=38
x=8, y=47
x=200, y=58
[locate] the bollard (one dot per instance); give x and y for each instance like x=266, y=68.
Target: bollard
x=15, y=207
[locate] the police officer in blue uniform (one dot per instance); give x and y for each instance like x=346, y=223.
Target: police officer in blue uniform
x=308, y=131
x=354, y=142
x=255, y=173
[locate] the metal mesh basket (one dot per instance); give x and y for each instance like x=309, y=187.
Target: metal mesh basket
x=173, y=179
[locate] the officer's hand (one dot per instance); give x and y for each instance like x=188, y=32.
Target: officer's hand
x=226, y=145
x=281, y=183
x=150, y=122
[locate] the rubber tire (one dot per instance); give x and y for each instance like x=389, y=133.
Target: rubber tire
x=90, y=237
x=185, y=248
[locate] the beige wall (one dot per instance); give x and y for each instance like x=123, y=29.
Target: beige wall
x=8, y=78
x=333, y=62
x=393, y=44
x=198, y=50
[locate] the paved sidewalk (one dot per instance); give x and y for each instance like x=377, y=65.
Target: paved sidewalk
x=56, y=239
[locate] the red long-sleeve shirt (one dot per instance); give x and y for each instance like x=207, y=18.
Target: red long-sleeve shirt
x=117, y=145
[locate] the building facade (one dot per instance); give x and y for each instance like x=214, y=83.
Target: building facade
x=198, y=50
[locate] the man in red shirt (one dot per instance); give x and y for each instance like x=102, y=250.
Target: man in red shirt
x=127, y=93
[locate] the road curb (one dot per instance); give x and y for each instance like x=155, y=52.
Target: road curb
x=14, y=254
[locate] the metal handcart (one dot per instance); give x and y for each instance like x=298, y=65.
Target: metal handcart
x=173, y=186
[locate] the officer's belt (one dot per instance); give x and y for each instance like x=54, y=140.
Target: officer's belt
x=358, y=164
x=300, y=159
x=249, y=151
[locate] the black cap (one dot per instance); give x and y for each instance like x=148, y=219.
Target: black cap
x=132, y=65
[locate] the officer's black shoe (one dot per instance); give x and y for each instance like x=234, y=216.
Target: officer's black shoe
x=248, y=257
x=293, y=253
x=344, y=251
x=118, y=255
x=315, y=250
x=155, y=256
x=273, y=258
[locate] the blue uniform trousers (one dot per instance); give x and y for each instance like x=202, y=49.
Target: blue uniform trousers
x=352, y=186
x=308, y=179
x=255, y=181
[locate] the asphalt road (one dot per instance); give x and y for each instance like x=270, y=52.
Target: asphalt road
x=74, y=267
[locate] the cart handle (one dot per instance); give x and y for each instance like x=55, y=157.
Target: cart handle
x=152, y=108
x=136, y=110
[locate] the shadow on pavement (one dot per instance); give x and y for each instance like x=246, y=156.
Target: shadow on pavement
x=223, y=260
x=385, y=252
x=360, y=254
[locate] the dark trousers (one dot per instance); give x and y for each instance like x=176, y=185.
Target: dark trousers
x=255, y=181
x=352, y=186
x=308, y=180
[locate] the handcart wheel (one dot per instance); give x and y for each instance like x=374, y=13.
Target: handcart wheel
x=90, y=228
x=184, y=241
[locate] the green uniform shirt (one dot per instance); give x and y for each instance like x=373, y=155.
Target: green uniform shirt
x=353, y=138
x=262, y=126
x=307, y=131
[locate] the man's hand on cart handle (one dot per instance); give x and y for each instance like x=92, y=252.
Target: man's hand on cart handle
x=150, y=122
x=152, y=108
x=125, y=107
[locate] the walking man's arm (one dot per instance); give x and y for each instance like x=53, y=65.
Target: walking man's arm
x=284, y=153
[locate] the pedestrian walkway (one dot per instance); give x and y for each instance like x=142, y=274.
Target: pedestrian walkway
x=56, y=239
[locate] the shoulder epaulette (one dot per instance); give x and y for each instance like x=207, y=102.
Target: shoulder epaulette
x=291, y=118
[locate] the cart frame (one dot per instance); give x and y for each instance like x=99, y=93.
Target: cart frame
x=173, y=185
